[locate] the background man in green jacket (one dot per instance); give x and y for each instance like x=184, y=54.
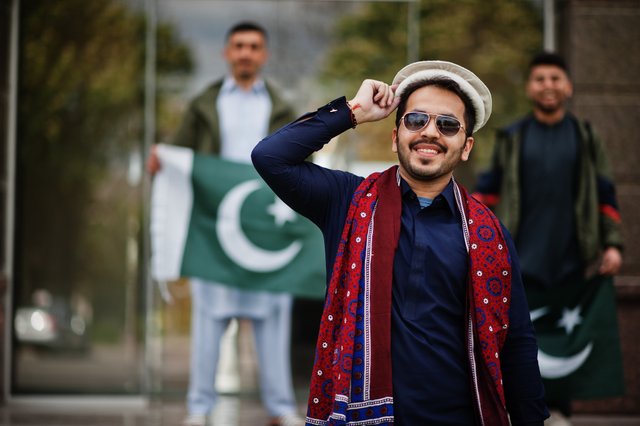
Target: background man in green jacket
x=550, y=183
x=228, y=119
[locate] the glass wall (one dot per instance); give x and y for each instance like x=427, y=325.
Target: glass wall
x=100, y=81
x=78, y=294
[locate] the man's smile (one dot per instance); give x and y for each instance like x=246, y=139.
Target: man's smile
x=429, y=149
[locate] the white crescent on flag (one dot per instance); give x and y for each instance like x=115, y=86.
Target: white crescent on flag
x=552, y=367
x=235, y=243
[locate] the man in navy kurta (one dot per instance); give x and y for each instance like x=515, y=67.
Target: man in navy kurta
x=430, y=370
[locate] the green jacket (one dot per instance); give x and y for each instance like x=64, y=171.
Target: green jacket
x=596, y=207
x=200, y=129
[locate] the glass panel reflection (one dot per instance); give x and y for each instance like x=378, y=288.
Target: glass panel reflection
x=77, y=273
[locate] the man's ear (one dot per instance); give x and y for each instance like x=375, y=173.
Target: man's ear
x=466, y=149
x=394, y=140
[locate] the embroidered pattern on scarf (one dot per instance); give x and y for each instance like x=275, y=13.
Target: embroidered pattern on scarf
x=351, y=378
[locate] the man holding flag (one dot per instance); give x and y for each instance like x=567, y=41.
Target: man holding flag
x=550, y=183
x=227, y=120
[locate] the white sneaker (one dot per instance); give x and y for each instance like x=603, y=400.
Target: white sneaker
x=289, y=420
x=195, y=420
x=226, y=411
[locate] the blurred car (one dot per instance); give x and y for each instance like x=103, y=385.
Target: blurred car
x=51, y=322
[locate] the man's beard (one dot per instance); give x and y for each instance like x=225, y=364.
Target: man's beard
x=419, y=171
x=548, y=109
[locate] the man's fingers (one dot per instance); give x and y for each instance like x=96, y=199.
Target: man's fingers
x=383, y=94
x=611, y=261
x=153, y=162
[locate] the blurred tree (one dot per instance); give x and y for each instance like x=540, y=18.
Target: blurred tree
x=80, y=129
x=494, y=38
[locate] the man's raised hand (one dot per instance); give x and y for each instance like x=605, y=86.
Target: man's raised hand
x=374, y=101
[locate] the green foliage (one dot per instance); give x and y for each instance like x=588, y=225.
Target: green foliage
x=172, y=55
x=368, y=44
x=493, y=38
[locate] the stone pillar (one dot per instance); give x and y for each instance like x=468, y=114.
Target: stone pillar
x=600, y=40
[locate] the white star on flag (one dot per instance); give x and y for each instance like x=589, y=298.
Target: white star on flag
x=281, y=212
x=570, y=319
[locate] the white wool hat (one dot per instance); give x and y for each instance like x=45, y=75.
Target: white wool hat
x=469, y=83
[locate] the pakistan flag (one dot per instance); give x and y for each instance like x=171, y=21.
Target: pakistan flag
x=579, y=346
x=217, y=220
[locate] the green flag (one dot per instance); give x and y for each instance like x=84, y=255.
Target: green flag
x=217, y=220
x=579, y=346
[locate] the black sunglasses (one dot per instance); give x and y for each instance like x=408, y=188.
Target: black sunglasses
x=446, y=125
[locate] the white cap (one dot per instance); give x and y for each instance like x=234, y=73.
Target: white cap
x=469, y=83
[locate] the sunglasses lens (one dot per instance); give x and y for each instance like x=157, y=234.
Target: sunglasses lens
x=415, y=121
x=448, y=126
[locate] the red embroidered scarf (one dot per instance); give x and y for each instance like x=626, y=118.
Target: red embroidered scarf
x=351, y=379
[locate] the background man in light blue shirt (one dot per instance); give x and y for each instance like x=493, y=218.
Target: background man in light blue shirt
x=228, y=119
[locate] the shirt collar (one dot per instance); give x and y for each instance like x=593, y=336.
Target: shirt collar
x=230, y=85
x=447, y=194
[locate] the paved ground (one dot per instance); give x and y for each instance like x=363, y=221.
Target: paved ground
x=242, y=411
